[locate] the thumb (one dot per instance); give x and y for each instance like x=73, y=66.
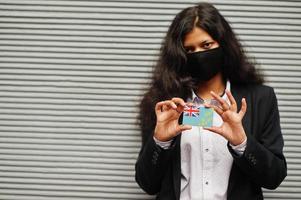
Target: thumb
x=215, y=129
x=183, y=127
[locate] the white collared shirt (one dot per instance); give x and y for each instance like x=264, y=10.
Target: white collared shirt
x=205, y=162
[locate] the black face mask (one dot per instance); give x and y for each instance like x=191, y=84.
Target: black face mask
x=204, y=65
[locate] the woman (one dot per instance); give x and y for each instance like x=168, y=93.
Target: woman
x=201, y=60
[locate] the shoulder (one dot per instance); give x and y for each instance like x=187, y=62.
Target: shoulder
x=265, y=94
x=261, y=89
x=258, y=96
x=261, y=99
x=257, y=91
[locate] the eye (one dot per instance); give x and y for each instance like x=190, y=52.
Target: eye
x=207, y=45
x=189, y=50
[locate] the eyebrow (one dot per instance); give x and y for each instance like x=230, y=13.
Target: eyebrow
x=203, y=42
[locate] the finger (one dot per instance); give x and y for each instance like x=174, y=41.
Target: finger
x=179, y=101
x=243, y=109
x=160, y=106
x=222, y=101
x=217, y=109
x=181, y=104
x=172, y=104
x=215, y=129
x=207, y=105
x=232, y=101
x=165, y=108
x=183, y=127
x=189, y=104
x=180, y=109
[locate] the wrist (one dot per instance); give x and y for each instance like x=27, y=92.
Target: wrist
x=158, y=134
x=238, y=140
x=239, y=135
x=160, y=138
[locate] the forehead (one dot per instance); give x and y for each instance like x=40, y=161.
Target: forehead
x=196, y=36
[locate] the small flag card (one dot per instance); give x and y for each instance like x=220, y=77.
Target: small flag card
x=198, y=115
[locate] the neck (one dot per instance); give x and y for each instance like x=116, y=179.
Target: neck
x=216, y=84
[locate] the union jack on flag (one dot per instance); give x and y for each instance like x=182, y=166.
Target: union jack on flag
x=192, y=111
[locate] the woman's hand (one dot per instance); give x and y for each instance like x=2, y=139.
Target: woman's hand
x=232, y=128
x=168, y=113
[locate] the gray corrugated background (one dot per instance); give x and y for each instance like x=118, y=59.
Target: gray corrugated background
x=72, y=73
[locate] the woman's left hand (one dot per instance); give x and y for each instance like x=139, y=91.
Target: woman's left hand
x=232, y=128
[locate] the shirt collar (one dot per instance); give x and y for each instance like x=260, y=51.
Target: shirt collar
x=198, y=100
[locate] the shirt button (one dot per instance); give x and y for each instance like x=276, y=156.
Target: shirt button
x=206, y=150
x=206, y=183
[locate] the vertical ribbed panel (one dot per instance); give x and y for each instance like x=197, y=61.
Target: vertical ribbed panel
x=71, y=76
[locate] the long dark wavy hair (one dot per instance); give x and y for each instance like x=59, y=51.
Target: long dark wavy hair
x=169, y=78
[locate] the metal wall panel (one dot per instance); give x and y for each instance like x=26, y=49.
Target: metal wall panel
x=72, y=73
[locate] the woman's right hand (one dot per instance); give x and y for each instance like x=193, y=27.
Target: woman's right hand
x=168, y=113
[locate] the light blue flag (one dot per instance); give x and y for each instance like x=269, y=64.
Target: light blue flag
x=198, y=116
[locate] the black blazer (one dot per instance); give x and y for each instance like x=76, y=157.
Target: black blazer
x=262, y=165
